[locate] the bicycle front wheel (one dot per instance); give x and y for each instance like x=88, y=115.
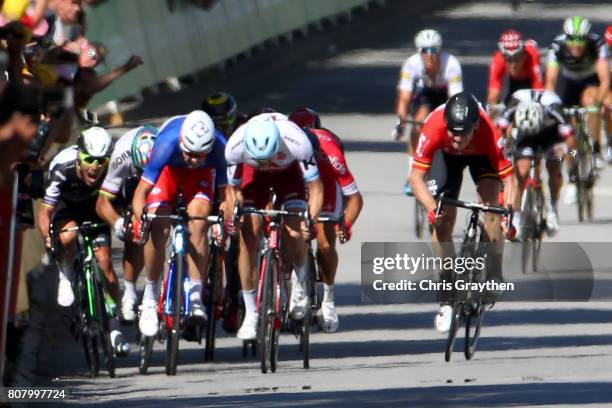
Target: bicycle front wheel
x=452, y=333
x=212, y=294
x=419, y=219
x=266, y=311
x=172, y=341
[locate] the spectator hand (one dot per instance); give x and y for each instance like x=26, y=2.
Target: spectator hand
x=133, y=62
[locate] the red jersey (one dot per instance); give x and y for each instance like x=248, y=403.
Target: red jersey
x=530, y=69
x=485, y=142
x=332, y=163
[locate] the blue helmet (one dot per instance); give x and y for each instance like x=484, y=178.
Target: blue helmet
x=261, y=138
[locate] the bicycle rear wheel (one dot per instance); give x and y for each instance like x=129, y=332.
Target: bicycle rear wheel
x=172, y=341
x=90, y=346
x=266, y=312
x=212, y=294
x=419, y=219
x=473, y=324
x=103, y=317
x=146, y=349
x=311, y=288
x=527, y=228
x=452, y=333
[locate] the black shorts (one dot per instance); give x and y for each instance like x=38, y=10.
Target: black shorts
x=80, y=212
x=446, y=172
x=572, y=89
x=430, y=97
x=516, y=84
x=538, y=144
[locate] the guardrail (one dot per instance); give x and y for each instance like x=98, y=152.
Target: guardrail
x=190, y=39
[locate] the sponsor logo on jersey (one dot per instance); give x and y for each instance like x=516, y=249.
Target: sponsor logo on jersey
x=337, y=165
x=120, y=160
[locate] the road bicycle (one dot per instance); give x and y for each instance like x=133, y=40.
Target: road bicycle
x=93, y=308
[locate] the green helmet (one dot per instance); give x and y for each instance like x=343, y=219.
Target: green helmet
x=576, y=26
x=142, y=145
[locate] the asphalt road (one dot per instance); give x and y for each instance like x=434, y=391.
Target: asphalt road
x=531, y=353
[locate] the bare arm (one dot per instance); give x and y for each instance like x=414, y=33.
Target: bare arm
x=315, y=198
x=602, y=67
x=493, y=96
x=105, y=209
x=552, y=73
x=420, y=190
x=353, y=206
x=139, y=201
x=44, y=219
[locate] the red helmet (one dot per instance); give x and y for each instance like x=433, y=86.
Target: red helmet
x=510, y=43
x=306, y=118
x=608, y=36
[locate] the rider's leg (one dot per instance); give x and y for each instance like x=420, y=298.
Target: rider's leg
x=67, y=240
x=247, y=268
x=555, y=180
x=327, y=259
x=521, y=166
x=488, y=189
x=103, y=256
x=198, y=250
x=589, y=98
x=608, y=119
x=133, y=262
x=420, y=114
x=155, y=252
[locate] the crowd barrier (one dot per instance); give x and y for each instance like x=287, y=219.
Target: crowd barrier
x=190, y=39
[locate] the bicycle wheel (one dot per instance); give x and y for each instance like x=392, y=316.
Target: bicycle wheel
x=266, y=312
x=452, y=333
x=102, y=318
x=146, y=350
x=107, y=349
x=527, y=228
x=540, y=229
x=581, y=193
x=311, y=288
x=172, y=341
x=279, y=318
x=210, y=303
x=419, y=219
x=473, y=323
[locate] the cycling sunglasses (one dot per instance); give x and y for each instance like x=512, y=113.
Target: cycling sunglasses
x=197, y=156
x=429, y=50
x=575, y=40
x=90, y=160
x=513, y=58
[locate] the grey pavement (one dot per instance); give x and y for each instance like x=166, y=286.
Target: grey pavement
x=530, y=353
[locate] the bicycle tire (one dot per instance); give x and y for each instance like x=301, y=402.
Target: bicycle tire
x=540, y=230
x=452, y=333
x=103, y=317
x=580, y=189
x=310, y=284
x=91, y=350
x=473, y=322
x=146, y=350
x=172, y=341
x=266, y=311
x=589, y=203
x=279, y=318
x=527, y=228
x=211, y=292
x=419, y=217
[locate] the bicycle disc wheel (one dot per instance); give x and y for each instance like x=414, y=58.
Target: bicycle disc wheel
x=211, y=293
x=266, y=313
x=172, y=341
x=452, y=333
x=419, y=219
x=473, y=324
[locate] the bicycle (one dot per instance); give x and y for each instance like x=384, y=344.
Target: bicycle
x=583, y=165
x=174, y=301
x=468, y=306
x=303, y=327
x=93, y=307
x=272, y=291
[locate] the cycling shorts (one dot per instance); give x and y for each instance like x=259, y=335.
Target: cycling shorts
x=288, y=185
x=430, y=97
x=81, y=211
x=542, y=142
x=572, y=89
x=195, y=184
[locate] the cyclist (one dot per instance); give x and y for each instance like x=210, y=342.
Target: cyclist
x=578, y=57
x=269, y=151
x=70, y=199
x=427, y=80
x=518, y=60
x=130, y=156
x=466, y=137
x=340, y=196
x=537, y=116
x=223, y=110
x=187, y=156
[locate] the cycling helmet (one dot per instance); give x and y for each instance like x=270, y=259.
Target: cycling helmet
x=529, y=117
x=261, y=138
x=142, y=145
x=427, y=39
x=462, y=113
x=221, y=107
x=197, y=133
x=95, y=142
x=510, y=43
x=306, y=118
x=608, y=36
x=576, y=26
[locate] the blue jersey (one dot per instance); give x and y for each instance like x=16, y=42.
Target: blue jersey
x=167, y=152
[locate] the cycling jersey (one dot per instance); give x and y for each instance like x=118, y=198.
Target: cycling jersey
x=530, y=70
x=414, y=77
x=294, y=146
x=576, y=68
x=486, y=142
x=67, y=154
x=335, y=174
x=167, y=152
x=65, y=184
x=120, y=166
x=550, y=101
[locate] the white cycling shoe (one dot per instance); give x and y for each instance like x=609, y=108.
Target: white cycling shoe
x=65, y=295
x=328, y=318
x=570, y=194
x=444, y=319
x=127, y=309
x=552, y=223
x=196, y=309
x=122, y=348
x=299, y=302
x=148, y=324
x=248, y=330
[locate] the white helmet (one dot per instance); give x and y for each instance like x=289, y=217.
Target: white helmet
x=576, y=26
x=95, y=142
x=197, y=133
x=529, y=117
x=428, y=39
x=261, y=138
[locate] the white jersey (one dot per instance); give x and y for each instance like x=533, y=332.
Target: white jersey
x=120, y=166
x=413, y=74
x=70, y=153
x=294, y=147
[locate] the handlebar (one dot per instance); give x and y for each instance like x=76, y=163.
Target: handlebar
x=475, y=207
x=84, y=228
x=580, y=110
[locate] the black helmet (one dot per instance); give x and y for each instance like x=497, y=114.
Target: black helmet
x=462, y=113
x=221, y=107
